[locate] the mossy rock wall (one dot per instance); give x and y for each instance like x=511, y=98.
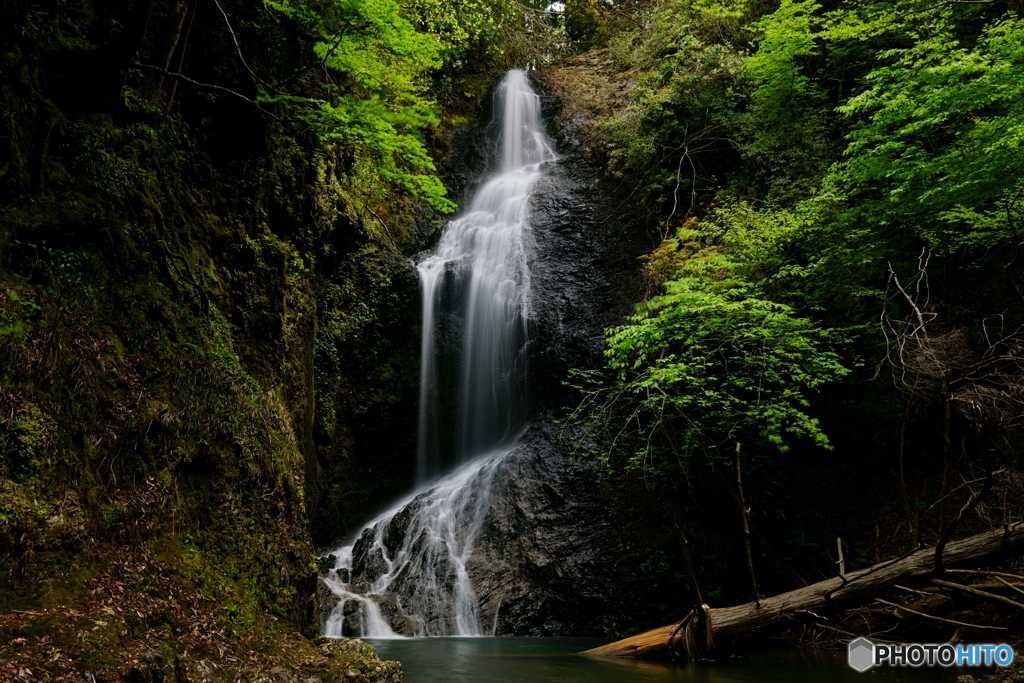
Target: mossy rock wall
x=201, y=338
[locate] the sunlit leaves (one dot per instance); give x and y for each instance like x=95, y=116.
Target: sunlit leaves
x=939, y=132
x=711, y=362
x=376, y=63
x=784, y=37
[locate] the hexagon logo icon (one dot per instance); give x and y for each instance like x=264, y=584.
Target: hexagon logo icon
x=861, y=654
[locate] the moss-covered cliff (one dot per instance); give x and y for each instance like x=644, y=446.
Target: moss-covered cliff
x=206, y=334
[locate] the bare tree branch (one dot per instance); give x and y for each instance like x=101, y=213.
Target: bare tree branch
x=238, y=47
x=932, y=616
x=975, y=591
x=198, y=84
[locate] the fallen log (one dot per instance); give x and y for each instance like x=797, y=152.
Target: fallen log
x=728, y=624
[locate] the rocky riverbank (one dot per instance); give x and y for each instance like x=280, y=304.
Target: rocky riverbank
x=149, y=618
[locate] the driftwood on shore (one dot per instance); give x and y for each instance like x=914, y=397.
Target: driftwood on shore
x=697, y=634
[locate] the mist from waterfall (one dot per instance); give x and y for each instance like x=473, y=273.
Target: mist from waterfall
x=406, y=571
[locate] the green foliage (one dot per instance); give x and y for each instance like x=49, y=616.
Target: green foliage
x=584, y=24
x=381, y=59
x=678, y=132
x=938, y=138
x=932, y=134
x=784, y=131
x=795, y=160
x=709, y=363
x=376, y=100
x=16, y=312
x=784, y=38
x=934, y=160
x=461, y=26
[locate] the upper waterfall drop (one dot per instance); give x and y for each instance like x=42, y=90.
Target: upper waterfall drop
x=406, y=572
x=478, y=275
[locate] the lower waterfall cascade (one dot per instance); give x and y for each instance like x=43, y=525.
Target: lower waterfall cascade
x=406, y=572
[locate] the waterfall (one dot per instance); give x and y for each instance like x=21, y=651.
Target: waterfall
x=478, y=275
x=406, y=571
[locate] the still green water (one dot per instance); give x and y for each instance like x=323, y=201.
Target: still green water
x=552, y=660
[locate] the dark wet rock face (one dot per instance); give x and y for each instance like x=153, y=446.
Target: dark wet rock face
x=398, y=526
x=551, y=559
x=370, y=565
x=326, y=563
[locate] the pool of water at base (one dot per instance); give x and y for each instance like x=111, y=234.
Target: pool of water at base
x=553, y=660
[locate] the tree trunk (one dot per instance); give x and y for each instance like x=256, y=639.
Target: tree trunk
x=745, y=517
x=727, y=624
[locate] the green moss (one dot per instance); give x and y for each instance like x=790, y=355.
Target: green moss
x=197, y=334
x=66, y=584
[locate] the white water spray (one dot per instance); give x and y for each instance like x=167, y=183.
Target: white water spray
x=410, y=562
x=406, y=571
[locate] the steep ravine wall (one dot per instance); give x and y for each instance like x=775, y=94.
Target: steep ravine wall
x=207, y=357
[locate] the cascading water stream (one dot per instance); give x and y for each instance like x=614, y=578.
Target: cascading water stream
x=479, y=273
x=406, y=571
